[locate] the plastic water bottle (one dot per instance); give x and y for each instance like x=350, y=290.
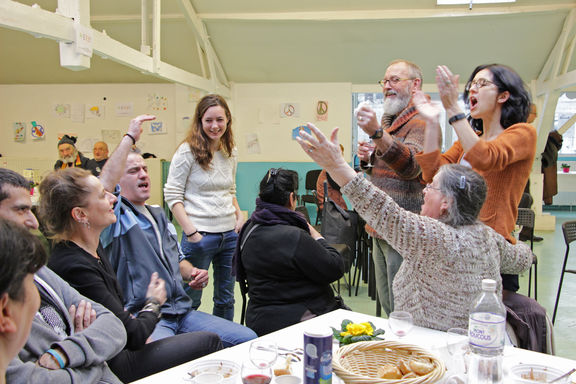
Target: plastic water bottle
x=486, y=334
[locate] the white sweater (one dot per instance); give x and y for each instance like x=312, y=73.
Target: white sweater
x=207, y=195
x=443, y=266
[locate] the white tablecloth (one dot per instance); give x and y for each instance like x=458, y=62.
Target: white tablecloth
x=292, y=337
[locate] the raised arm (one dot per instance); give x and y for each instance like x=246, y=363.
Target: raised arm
x=117, y=162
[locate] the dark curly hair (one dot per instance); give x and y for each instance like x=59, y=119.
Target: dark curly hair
x=517, y=108
x=277, y=185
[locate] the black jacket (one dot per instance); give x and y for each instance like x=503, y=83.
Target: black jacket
x=288, y=272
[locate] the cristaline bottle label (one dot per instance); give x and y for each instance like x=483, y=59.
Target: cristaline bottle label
x=486, y=330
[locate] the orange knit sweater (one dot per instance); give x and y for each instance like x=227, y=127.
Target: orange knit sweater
x=504, y=162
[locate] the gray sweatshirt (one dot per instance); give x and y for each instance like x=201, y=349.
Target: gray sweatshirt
x=87, y=350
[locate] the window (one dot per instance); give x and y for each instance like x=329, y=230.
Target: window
x=565, y=109
x=376, y=101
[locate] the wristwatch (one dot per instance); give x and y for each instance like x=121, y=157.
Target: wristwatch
x=378, y=134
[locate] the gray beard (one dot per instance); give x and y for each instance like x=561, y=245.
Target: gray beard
x=396, y=105
x=69, y=159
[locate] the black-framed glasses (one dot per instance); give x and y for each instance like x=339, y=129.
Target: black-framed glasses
x=479, y=83
x=393, y=80
x=429, y=186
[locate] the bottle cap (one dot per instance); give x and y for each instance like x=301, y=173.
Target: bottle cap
x=488, y=285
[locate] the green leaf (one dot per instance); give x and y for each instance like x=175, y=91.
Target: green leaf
x=345, y=323
x=356, y=339
x=378, y=332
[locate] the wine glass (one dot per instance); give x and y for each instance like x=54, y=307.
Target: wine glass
x=263, y=353
x=400, y=323
x=457, y=346
x=254, y=374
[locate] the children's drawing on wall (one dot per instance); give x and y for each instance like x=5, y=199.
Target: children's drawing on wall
x=77, y=113
x=95, y=111
x=111, y=136
x=252, y=143
x=322, y=110
x=37, y=131
x=157, y=102
x=296, y=131
x=157, y=128
x=125, y=109
x=19, y=131
x=61, y=110
x=289, y=110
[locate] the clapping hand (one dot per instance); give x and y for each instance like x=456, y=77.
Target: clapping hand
x=425, y=108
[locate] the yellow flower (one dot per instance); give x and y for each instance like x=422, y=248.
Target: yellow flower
x=358, y=329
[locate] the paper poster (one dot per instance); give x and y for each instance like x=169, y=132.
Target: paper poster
x=296, y=131
x=94, y=111
x=19, y=131
x=125, y=109
x=157, y=102
x=77, y=113
x=289, y=110
x=86, y=145
x=252, y=143
x=37, y=131
x=157, y=128
x=61, y=110
x=322, y=110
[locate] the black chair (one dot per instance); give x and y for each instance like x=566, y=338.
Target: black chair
x=310, y=185
x=569, y=231
x=526, y=219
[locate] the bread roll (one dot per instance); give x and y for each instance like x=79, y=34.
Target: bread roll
x=421, y=366
x=404, y=368
x=389, y=371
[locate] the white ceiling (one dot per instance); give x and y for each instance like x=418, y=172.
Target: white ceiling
x=306, y=40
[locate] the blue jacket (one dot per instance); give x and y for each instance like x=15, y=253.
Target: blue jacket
x=133, y=250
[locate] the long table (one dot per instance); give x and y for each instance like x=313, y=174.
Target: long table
x=292, y=337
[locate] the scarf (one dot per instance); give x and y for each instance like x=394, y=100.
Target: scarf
x=265, y=214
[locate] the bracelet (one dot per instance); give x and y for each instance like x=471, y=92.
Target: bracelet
x=456, y=118
x=132, y=137
x=57, y=356
x=152, y=299
x=153, y=307
x=192, y=234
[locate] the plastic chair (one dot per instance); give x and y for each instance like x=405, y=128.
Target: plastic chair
x=526, y=218
x=310, y=185
x=569, y=231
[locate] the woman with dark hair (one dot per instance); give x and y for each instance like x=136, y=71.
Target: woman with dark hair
x=76, y=208
x=201, y=192
x=446, y=250
x=494, y=140
x=286, y=263
x=21, y=255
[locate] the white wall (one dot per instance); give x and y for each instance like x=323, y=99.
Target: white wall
x=257, y=111
x=26, y=103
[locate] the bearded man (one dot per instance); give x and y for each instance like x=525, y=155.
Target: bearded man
x=69, y=156
x=398, y=138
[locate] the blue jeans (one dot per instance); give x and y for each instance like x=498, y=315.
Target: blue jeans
x=218, y=249
x=230, y=333
x=386, y=264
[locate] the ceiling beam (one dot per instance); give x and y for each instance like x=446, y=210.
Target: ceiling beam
x=385, y=14
x=42, y=23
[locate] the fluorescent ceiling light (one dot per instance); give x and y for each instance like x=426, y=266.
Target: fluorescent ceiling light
x=455, y=2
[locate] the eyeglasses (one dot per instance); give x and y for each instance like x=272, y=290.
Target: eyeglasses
x=393, y=80
x=480, y=83
x=429, y=186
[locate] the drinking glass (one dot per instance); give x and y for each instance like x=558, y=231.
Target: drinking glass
x=400, y=323
x=253, y=374
x=263, y=353
x=457, y=346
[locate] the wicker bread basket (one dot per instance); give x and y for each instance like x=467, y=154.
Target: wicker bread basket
x=358, y=363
